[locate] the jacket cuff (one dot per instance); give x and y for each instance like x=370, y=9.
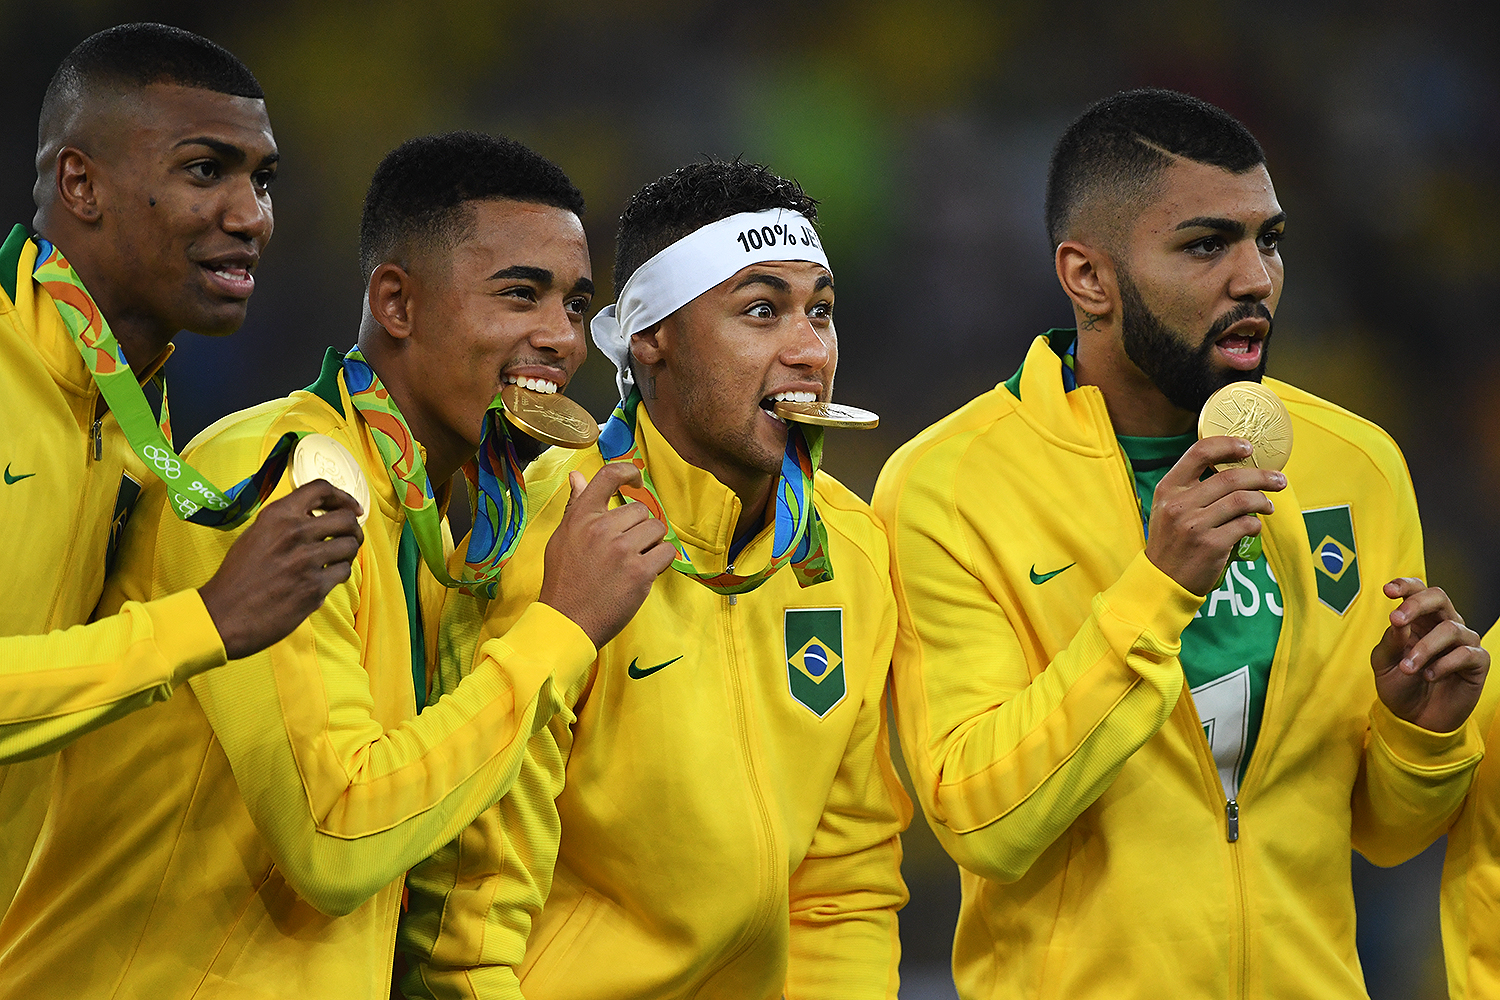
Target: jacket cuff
x=542, y=643
x=186, y=635
x=1148, y=601
x=1421, y=751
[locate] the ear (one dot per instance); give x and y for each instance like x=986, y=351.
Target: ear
x=392, y=290
x=649, y=347
x=1087, y=275
x=77, y=177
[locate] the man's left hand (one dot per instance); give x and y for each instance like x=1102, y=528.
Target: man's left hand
x=1429, y=666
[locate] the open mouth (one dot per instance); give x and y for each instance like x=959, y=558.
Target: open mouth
x=534, y=384
x=769, y=403
x=233, y=280
x=1242, y=349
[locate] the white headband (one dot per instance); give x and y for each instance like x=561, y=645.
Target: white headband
x=693, y=265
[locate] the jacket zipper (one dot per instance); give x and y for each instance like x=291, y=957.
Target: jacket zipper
x=93, y=452
x=752, y=927
x=1231, y=805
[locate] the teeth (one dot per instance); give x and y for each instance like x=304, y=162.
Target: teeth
x=795, y=397
x=534, y=384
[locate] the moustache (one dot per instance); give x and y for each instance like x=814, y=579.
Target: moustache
x=1243, y=311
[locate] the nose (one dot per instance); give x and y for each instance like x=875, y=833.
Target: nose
x=809, y=347
x=556, y=331
x=1252, y=280
x=248, y=213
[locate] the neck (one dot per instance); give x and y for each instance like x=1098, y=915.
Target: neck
x=445, y=451
x=141, y=337
x=1136, y=406
x=753, y=486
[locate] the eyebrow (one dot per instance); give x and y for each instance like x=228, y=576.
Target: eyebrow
x=525, y=272
x=1229, y=227
x=763, y=279
x=824, y=281
x=226, y=150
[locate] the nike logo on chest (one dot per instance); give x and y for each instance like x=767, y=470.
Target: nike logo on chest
x=636, y=673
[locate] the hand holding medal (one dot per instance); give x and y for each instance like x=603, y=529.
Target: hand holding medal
x=1251, y=411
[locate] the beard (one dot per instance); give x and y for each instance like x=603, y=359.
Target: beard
x=1185, y=374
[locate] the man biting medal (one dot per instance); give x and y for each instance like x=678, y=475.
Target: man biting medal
x=717, y=815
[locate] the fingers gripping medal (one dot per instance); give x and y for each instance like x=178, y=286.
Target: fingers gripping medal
x=550, y=417
x=319, y=456
x=828, y=415
x=1251, y=411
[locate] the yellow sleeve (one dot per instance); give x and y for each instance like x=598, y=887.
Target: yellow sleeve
x=1003, y=761
x=1411, y=781
x=473, y=903
x=345, y=806
x=846, y=891
x=58, y=686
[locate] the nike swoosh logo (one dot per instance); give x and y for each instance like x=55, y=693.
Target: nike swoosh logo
x=636, y=673
x=1041, y=578
x=12, y=480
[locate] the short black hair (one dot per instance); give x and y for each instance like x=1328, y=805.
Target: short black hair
x=691, y=197
x=135, y=55
x=416, y=198
x=1118, y=148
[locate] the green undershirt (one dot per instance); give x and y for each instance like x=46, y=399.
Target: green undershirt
x=1228, y=647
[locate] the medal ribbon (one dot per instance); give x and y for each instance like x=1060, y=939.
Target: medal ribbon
x=499, y=508
x=193, y=497
x=800, y=538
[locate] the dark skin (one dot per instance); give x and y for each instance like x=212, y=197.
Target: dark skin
x=449, y=327
x=159, y=197
x=767, y=329
x=1208, y=243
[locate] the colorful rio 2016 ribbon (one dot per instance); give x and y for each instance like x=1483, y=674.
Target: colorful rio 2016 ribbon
x=500, y=508
x=800, y=538
x=194, y=498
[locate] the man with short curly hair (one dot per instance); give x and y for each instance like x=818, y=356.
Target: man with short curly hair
x=717, y=815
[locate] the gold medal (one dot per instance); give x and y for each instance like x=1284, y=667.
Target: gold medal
x=827, y=415
x=550, y=417
x=319, y=456
x=1251, y=411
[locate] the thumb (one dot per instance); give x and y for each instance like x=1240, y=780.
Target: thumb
x=576, y=483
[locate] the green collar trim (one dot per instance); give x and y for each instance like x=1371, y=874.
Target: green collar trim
x=1059, y=339
x=326, y=387
x=10, y=258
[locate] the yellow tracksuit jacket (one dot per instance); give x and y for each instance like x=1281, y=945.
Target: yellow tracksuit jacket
x=69, y=481
x=1063, y=765
x=248, y=837
x=715, y=835
x=1471, y=867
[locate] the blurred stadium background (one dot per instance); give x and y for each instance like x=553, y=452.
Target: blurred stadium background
x=925, y=128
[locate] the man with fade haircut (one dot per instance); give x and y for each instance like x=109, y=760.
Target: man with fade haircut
x=1149, y=746
x=154, y=167
x=249, y=836
x=717, y=815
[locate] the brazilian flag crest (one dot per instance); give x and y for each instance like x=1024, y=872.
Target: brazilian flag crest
x=815, y=657
x=1330, y=531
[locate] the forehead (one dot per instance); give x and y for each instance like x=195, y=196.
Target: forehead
x=1193, y=190
x=167, y=114
x=506, y=232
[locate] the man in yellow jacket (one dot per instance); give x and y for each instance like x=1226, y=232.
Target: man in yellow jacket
x=153, y=177
x=1471, y=867
x=249, y=836
x=1149, y=746
x=717, y=814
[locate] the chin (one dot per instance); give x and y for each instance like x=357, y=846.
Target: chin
x=220, y=322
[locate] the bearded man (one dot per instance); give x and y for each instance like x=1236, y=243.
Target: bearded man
x=1150, y=746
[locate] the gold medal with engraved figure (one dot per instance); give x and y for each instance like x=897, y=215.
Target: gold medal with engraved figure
x=827, y=415
x=1251, y=411
x=550, y=417
x=319, y=456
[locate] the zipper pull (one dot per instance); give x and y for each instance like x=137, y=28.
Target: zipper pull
x=1232, y=815
x=98, y=438
x=733, y=598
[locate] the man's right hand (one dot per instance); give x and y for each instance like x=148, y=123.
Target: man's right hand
x=1195, y=525
x=600, y=563
x=282, y=567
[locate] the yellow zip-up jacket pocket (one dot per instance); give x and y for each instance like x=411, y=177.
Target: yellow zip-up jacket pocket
x=1056, y=754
